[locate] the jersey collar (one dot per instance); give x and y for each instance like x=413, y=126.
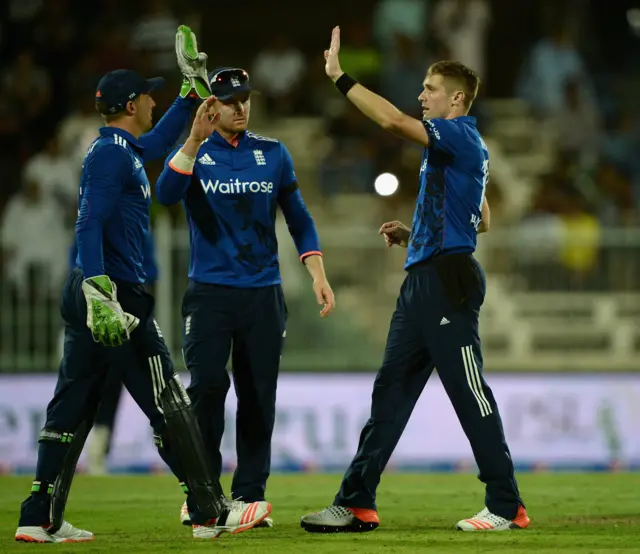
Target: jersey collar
x=219, y=140
x=133, y=141
x=467, y=119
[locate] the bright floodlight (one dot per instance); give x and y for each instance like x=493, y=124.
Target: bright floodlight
x=386, y=184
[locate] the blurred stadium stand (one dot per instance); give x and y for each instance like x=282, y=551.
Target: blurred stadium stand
x=558, y=109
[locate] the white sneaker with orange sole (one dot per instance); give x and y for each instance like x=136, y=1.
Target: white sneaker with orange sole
x=238, y=517
x=185, y=519
x=340, y=519
x=67, y=533
x=487, y=521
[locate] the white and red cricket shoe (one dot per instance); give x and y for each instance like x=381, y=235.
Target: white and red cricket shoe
x=487, y=521
x=238, y=517
x=185, y=518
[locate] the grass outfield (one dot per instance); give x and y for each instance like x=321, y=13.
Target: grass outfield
x=584, y=513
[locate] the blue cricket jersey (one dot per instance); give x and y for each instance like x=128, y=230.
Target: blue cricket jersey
x=149, y=263
x=242, y=184
x=453, y=180
x=115, y=196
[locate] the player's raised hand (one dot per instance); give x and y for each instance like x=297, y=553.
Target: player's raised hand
x=324, y=296
x=332, y=62
x=395, y=232
x=205, y=120
x=193, y=64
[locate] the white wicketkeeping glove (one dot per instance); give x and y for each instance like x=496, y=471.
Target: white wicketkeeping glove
x=193, y=64
x=108, y=322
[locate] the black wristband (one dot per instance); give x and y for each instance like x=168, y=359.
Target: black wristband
x=345, y=83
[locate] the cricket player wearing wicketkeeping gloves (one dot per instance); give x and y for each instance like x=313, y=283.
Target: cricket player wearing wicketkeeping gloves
x=231, y=183
x=100, y=439
x=109, y=320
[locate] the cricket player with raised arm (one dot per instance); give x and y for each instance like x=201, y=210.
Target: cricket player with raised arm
x=231, y=182
x=435, y=324
x=108, y=313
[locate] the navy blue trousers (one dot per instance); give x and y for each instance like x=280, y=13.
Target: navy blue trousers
x=143, y=363
x=428, y=332
x=249, y=325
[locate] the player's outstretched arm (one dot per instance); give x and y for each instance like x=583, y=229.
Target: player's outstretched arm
x=175, y=178
x=383, y=112
x=160, y=140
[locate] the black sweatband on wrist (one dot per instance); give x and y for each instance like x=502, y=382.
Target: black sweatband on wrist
x=345, y=83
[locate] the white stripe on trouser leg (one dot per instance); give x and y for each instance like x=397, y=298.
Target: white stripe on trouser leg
x=160, y=375
x=157, y=379
x=474, y=381
x=470, y=381
x=179, y=393
x=153, y=382
x=475, y=371
x=161, y=382
x=475, y=375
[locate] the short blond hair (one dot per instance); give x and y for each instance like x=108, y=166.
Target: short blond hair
x=465, y=78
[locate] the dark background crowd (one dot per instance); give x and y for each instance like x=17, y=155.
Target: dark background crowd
x=571, y=65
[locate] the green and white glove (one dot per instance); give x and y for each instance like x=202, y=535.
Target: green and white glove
x=109, y=324
x=193, y=64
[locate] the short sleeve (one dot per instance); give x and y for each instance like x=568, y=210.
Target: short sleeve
x=443, y=135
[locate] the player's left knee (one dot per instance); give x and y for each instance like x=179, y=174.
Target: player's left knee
x=56, y=435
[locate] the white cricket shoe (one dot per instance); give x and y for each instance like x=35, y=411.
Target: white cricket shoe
x=487, y=521
x=185, y=519
x=238, y=517
x=340, y=519
x=67, y=533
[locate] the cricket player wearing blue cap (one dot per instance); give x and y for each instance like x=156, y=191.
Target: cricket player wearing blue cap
x=108, y=315
x=231, y=182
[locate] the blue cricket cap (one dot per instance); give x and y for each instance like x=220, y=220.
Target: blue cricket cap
x=118, y=87
x=227, y=81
